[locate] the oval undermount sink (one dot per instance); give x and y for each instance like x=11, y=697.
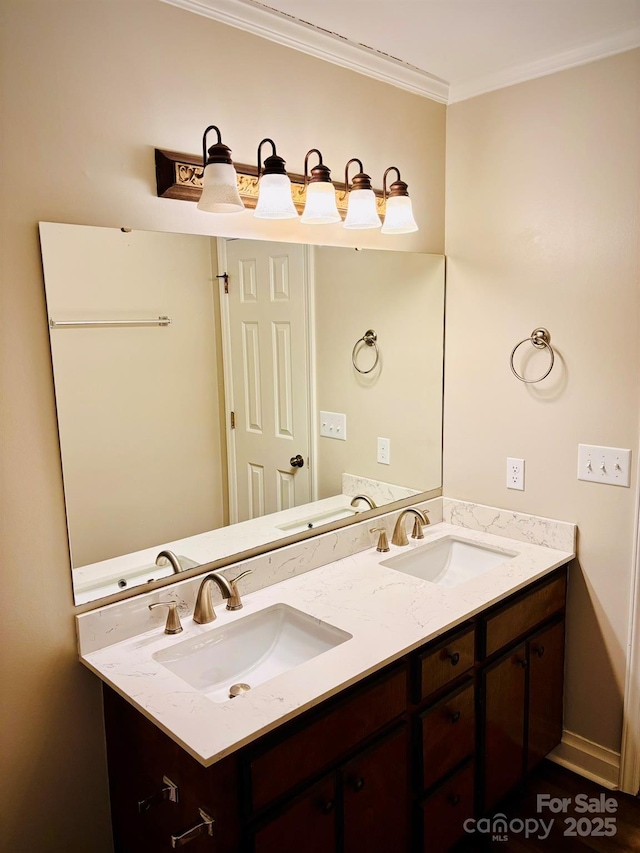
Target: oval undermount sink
x=250, y=651
x=449, y=561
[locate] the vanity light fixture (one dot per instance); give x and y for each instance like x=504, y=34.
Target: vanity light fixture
x=274, y=187
x=398, y=218
x=320, y=207
x=220, y=182
x=361, y=209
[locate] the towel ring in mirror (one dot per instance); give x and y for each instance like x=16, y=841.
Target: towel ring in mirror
x=369, y=339
x=540, y=339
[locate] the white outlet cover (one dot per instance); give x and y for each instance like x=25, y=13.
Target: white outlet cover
x=333, y=425
x=384, y=451
x=609, y=465
x=515, y=474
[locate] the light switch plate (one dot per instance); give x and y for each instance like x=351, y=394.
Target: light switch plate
x=611, y=465
x=333, y=425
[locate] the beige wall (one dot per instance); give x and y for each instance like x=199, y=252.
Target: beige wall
x=542, y=229
x=138, y=408
x=89, y=88
x=401, y=297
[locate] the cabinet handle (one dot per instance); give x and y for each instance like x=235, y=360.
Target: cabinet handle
x=205, y=827
x=328, y=806
x=524, y=663
x=539, y=650
x=454, y=658
x=455, y=717
x=358, y=784
x=169, y=793
x=454, y=799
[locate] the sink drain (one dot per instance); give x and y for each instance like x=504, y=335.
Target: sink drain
x=237, y=689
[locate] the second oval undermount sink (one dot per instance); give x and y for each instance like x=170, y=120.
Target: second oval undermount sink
x=449, y=561
x=249, y=651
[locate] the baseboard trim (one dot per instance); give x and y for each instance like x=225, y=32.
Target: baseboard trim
x=588, y=759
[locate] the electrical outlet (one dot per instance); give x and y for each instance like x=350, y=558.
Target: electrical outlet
x=515, y=474
x=384, y=451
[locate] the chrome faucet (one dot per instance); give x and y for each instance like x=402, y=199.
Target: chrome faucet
x=165, y=557
x=366, y=499
x=400, y=534
x=203, y=612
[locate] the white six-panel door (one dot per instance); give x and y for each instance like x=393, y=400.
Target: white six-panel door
x=265, y=343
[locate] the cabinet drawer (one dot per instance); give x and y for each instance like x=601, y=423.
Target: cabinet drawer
x=448, y=734
x=446, y=661
x=444, y=813
x=320, y=743
x=520, y=617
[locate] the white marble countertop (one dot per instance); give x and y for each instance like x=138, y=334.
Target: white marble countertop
x=388, y=614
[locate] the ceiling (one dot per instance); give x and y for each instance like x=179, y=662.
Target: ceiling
x=446, y=49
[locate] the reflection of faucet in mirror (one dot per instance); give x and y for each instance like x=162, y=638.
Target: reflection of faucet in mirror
x=400, y=534
x=366, y=499
x=166, y=557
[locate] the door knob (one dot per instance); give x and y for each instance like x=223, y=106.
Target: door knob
x=296, y=461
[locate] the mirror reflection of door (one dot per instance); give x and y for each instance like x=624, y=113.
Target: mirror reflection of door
x=266, y=364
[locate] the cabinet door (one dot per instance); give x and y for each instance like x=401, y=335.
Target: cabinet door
x=308, y=823
x=504, y=693
x=376, y=798
x=546, y=683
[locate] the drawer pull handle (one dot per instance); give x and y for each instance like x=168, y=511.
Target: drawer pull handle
x=205, y=827
x=358, y=784
x=539, y=650
x=454, y=658
x=167, y=793
x=454, y=799
x=328, y=806
x=455, y=717
x=524, y=663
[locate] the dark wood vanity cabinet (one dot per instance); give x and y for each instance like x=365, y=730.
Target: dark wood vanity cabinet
x=396, y=763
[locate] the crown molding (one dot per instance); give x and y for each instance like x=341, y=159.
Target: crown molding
x=288, y=31
x=619, y=43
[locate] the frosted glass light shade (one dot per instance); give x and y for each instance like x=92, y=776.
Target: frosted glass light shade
x=220, y=190
x=398, y=218
x=361, y=210
x=274, y=198
x=320, y=207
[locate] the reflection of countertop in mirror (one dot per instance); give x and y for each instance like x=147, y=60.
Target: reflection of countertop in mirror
x=100, y=579
x=386, y=612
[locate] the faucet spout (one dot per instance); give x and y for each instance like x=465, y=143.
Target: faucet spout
x=203, y=612
x=399, y=532
x=165, y=557
x=366, y=499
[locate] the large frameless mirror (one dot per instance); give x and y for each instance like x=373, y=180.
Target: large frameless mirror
x=216, y=396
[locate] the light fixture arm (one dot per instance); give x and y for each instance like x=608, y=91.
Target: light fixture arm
x=397, y=188
x=306, y=163
x=273, y=153
x=384, y=179
x=204, y=142
x=346, y=172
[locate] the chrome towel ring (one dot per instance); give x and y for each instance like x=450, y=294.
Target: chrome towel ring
x=370, y=339
x=540, y=339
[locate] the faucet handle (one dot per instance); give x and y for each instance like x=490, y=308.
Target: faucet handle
x=173, y=624
x=419, y=524
x=383, y=542
x=234, y=601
